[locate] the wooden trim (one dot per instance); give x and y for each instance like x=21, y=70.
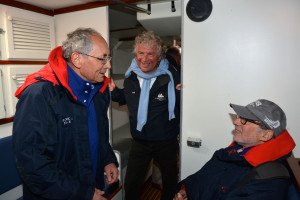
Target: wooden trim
x=126, y=29
x=49, y=12
x=86, y=6
x=132, y=1
x=6, y=120
x=26, y=6
x=44, y=11
x=22, y=62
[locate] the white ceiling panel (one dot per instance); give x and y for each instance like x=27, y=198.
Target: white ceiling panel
x=55, y=4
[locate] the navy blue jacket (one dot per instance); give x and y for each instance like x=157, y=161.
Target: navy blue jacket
x=158, y=126
x=51, y=140
x=218, y=178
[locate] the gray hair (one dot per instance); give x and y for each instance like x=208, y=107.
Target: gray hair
x=78, y=41
x=149, y=38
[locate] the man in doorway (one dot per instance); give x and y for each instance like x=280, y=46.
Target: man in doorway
x=173, y=55
x=153, y=103
x=60, y=130
x=250, y=168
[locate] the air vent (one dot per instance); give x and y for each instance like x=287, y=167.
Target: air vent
x=13, y=77
x=19, y=79
x=30, y=35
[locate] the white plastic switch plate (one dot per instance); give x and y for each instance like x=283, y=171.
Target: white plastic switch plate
x=194, y=142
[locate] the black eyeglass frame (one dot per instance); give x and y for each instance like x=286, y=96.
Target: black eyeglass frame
x=245, y=120
x=103, y=60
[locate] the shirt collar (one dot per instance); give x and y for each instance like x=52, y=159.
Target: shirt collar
x=80, y=87
x=242, y=150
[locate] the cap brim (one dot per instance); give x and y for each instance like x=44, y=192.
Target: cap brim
x=243, y=112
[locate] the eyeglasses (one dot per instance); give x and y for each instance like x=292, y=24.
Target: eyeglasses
x=244, y=121
x=103, y=60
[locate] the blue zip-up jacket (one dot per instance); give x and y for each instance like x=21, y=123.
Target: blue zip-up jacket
x=51, y=136
x=218, y=178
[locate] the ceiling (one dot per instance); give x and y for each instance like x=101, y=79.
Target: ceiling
x=58, y=4
x=123, y=23
x=55, y=4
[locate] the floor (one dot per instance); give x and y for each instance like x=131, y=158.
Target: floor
x=150, y=191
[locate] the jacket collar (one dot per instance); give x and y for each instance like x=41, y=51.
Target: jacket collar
x=271, y=150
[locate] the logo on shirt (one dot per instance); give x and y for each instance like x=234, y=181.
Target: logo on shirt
x=231, y=151
x=67, y=120
x=160, y=97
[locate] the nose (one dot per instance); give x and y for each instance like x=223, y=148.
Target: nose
x=237, y=121
x=107, y=65
x=144, y=57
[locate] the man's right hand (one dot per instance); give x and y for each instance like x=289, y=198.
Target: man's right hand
x=181, y=195
x=98, y=195
x=112, y=85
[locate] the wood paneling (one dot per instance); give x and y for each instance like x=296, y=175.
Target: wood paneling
x=86, y=6
x=26, y=6
x=22, y=62
x=6, y=120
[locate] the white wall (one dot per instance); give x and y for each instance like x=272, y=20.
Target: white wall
x=96, y=18
x=6, y=130
x=8, y=86
x=244, y=51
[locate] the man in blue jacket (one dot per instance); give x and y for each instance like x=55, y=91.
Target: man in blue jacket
x=60, y=130
x=153, y=104
x=246, y=169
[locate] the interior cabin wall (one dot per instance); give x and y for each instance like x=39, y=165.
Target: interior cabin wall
x=10, y=72
x=96, y=18
x=244, y=51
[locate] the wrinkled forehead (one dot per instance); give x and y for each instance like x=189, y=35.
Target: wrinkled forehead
x=148, y=44
x=100, y=46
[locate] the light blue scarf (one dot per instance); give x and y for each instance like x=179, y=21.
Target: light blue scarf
x=145, y=90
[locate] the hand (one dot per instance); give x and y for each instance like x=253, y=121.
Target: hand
x=112, y=173
x=178, y=86
x=181, y=195
x=111, y=85
x=98, y=195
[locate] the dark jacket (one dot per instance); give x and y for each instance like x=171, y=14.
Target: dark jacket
x=51, y=136
x=220, y=175
x=173, y=64
x=158, y=126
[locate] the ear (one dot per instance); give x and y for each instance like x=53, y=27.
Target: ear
x=76, y=59
x=267, y=135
